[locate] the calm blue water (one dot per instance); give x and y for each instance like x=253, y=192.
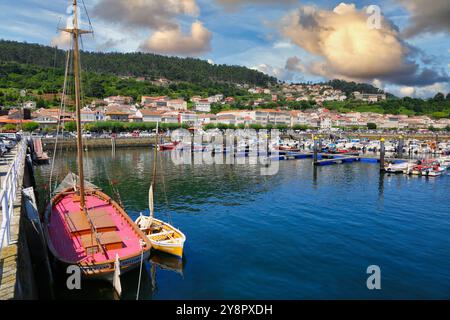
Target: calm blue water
x=301, y=234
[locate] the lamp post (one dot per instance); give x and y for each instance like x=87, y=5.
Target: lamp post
x=23, y=93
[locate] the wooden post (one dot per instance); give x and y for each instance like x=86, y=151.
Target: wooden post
x=382, y=151
x=401, y=143
x=315, y=150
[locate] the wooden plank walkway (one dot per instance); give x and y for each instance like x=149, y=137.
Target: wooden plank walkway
x=9, y=255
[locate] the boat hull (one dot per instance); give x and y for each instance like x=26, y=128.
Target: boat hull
x=175, y=248
x=68, y=249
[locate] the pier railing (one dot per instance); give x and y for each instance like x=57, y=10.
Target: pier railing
x=8, y=193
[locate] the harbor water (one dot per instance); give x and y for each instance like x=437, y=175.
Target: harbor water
x=303, y=233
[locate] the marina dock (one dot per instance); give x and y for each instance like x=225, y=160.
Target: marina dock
x=17, y=236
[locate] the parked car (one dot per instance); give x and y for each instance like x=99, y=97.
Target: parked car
x=8, y=142
x=3, y=149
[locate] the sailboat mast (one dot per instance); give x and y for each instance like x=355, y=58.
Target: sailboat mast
x=76, y=70
x=156, y=153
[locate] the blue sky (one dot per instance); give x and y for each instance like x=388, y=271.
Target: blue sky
x=249, y=34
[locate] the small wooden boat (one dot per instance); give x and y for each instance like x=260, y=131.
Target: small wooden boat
x=162, y=236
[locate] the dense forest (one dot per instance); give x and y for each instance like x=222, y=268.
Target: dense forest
x=40, y=80
x=137, y=64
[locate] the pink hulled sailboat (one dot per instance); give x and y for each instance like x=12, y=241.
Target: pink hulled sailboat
x=83, y=225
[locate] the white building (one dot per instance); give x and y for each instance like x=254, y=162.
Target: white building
x=87, y=115
x=149, y=115
x=29, y=105
x=188, y=117
x=369, y=97
x=177, y=104
x=203, y=105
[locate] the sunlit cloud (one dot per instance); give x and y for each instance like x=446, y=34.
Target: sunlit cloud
x=347, y=48
x=173, y=40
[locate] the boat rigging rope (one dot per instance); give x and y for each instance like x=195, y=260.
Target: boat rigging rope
x=140, y=270
x=165, y=195
x=61, y=112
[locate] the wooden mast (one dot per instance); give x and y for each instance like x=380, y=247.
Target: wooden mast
x=76, y=32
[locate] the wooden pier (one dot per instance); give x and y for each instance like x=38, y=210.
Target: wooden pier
x=18, y=242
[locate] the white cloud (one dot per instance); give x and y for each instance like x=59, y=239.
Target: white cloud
x=418, y=92
x=279, y=73
x=235, y=4
x=160, y=21
x=62, y=40
x=174, y=41
x=282, y=45
x=155, y=14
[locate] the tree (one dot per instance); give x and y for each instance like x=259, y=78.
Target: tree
x=30, y=126
x=9, y=127
x=41, y=103
x=439, y=97
x=448, y=96
x=440, y=115
x=70, y=126
x=371, y=126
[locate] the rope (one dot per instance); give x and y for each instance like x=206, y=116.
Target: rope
x=61, y=108
x=165, y=195
x=140, y=273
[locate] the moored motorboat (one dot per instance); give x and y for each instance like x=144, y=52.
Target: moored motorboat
x=397, y=167
x=167, y=146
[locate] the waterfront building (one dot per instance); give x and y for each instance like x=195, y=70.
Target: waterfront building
x=46, y=120
x=170, y=117
x=149, y=115
x=229, y=119
x=298, y=118
x=117, y=116
x=87, y=115
x=207, y=118
x=273, y=117
x=188, y=117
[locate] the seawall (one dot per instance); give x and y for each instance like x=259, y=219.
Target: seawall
x=99, y=143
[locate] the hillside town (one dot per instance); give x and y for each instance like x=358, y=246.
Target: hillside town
x=198, y=111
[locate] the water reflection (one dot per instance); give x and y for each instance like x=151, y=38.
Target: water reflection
x=327, y=219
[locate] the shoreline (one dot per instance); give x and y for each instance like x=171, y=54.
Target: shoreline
x=99, y=143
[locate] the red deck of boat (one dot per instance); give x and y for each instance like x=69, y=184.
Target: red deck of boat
x=69, y=246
